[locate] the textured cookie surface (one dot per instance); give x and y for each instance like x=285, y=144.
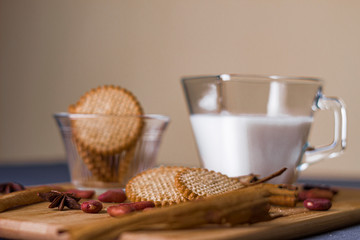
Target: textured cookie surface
x=112, y=168
x=115, y=126
x=195, y=183
x=157, y=185
x=108, y=100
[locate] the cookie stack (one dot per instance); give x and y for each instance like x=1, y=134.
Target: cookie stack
x=106, y=131
x=171, y=185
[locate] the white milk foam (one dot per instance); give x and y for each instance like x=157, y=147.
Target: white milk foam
x=238, y=145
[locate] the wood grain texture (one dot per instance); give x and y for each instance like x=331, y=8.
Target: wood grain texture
x=39, y=222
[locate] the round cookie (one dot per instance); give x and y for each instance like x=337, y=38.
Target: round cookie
x=112, y=168
x=115, y=125
x=195, y=183
x=156, y=185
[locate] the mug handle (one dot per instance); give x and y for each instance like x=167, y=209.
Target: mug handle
x=334, y=149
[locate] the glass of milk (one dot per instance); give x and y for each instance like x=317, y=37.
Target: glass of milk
x=247, y=124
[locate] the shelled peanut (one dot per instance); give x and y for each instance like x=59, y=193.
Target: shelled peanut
x=125, y=208
x=91, y=206
x=82, y=193
x=317, y=197
x=317, y=204
x=114, y=196
x=315, y=193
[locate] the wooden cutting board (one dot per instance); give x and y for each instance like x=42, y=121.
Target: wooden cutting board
x=39, y=222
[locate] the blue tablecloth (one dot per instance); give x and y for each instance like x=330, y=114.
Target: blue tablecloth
x=58, y=173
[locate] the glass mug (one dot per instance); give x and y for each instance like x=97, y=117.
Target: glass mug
x=247, y=124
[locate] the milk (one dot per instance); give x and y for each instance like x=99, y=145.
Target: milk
x=238, y=145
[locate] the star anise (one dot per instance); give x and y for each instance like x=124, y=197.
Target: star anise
x=9, y=187
x=61, y=199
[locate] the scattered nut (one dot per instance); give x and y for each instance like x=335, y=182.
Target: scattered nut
x=320, y=186
x=124, y=208
x=114, y=196
x=116, y=211
x=91, y=206
x=317, y=204
x=142, y=205
x=315, y=193
x=82, y=193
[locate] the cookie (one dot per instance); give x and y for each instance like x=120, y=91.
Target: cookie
x=111, y=168
x=96, y=165
x=115, y=125
x=124, y=165
x=156, y=185
x=195, y=183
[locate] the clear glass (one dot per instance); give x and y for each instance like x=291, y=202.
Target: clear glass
x=135, y=148
x=259, y=124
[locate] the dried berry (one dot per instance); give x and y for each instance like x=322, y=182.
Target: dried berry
x=91, y=206
x=317, y=204
x=114, y=196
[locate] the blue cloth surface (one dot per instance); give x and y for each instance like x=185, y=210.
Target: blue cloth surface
x=57, y=173
x=36, y=174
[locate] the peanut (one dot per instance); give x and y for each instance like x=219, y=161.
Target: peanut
x=124, y=208
x=114, y=196
x=115, y=211
x=317, y=204
x=82, y=193
x=91, y=206
x=142, y=205
x=320, y=186
x=315, y=193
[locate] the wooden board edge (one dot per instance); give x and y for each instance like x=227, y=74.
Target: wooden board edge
x=14, y=229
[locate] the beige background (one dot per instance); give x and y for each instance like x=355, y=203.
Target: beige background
x=51, y=52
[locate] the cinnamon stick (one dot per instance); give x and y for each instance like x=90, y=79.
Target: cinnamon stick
x=21, y=198
x=242, y=206
x=280, y=196
x=283, y=200
x=265, y=179
x=247, y=179
x=276, y=189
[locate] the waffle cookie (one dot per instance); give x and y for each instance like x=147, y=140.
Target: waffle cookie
x=195, y=183
x=156, y=185
x=111, y=168
x=107, y=135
